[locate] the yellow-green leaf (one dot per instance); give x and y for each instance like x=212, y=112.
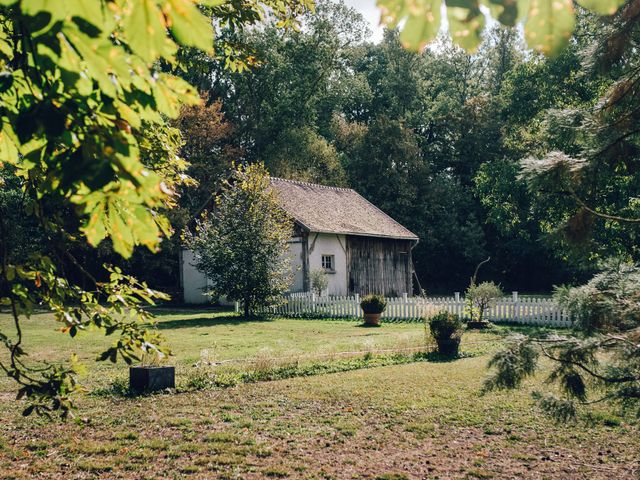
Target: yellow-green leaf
x=549, y=25
x=465, y=26
x=96, y=230
x=212, y=3
x=170, y=92
x=121, y=235
x=144, y=228
x=189, y=25
x=146, y=30
x=94, y=52
x=421, y=17
x=89, y=10
x=8, y=148
x=602, y=7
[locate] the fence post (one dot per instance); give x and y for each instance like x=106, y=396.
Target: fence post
x=237, y=307
x=515, y=296
x=457, y=296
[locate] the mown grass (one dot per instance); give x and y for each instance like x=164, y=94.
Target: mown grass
x=401, y=421
x=208, y=336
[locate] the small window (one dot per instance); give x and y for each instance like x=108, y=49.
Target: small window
x=328, y=263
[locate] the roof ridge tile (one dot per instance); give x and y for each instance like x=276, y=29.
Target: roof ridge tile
x=309, y=184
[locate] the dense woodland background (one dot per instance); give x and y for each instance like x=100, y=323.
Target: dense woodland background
x=434, y=139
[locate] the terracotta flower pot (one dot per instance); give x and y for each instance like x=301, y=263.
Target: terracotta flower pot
x=372, y=319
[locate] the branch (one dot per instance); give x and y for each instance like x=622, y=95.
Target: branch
x=602, y=215
x=628, y=378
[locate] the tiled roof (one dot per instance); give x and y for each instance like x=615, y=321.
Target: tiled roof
x=325, y=209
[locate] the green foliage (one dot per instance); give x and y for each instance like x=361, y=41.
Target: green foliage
x=241, y=245
x=301, y=154
x=319, y=280
x=548, y=24
x=320, y=104
x=373, y=303
x=603, y=359
x=513, y=364
x=560, y=409
x=446, y=329
x=482, y=297
x=445, y=325
x=87, y=87
x=608, y=302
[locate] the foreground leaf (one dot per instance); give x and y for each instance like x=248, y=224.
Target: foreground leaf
x=549, y=25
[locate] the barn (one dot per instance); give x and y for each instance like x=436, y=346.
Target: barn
x=360, y=248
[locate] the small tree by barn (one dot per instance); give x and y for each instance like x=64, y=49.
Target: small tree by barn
x=481, y=298
x=241, y=245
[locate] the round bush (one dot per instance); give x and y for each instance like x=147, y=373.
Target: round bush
x=446, y=328
x=373, y=304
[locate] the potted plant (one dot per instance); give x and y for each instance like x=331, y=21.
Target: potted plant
x=151, y=376
x=373, y=306
x=446, y=329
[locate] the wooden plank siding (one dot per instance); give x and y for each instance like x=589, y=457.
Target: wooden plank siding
x=379, y=265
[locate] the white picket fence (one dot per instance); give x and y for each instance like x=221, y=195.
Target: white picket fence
x=525, y=310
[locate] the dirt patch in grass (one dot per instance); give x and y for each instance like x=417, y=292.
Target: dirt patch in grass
x=397, y=422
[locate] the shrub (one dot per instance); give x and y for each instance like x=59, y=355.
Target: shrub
x=373, y=304
x=319, y=281
x=446, y=329
x=481, y=297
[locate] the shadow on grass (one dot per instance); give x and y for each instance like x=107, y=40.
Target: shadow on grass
x=366, y=325
x=507, y=328
x=186, y=310
x=436, y=357
x=209, y=322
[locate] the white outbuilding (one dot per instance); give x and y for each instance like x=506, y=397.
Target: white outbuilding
x=360, y=248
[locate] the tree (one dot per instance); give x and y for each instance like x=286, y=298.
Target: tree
x=242, y=244
x=209, y=147
x=481, y=297
x=79, y=85
x=319, y=281
x=604, y=361
x=298, y=80
x=302, y=154
x=596, y=177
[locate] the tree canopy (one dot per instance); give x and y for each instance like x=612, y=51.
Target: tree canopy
x=241, y=242
x=86, y=153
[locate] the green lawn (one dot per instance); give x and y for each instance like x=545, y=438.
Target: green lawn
x=417, y=420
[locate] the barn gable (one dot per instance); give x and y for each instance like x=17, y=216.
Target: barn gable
x=372, y=251
x=323, y=209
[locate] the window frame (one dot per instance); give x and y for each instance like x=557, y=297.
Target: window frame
x=332, y=261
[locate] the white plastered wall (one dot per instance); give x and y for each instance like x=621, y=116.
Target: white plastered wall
x=330, y=244
x=193, y=281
